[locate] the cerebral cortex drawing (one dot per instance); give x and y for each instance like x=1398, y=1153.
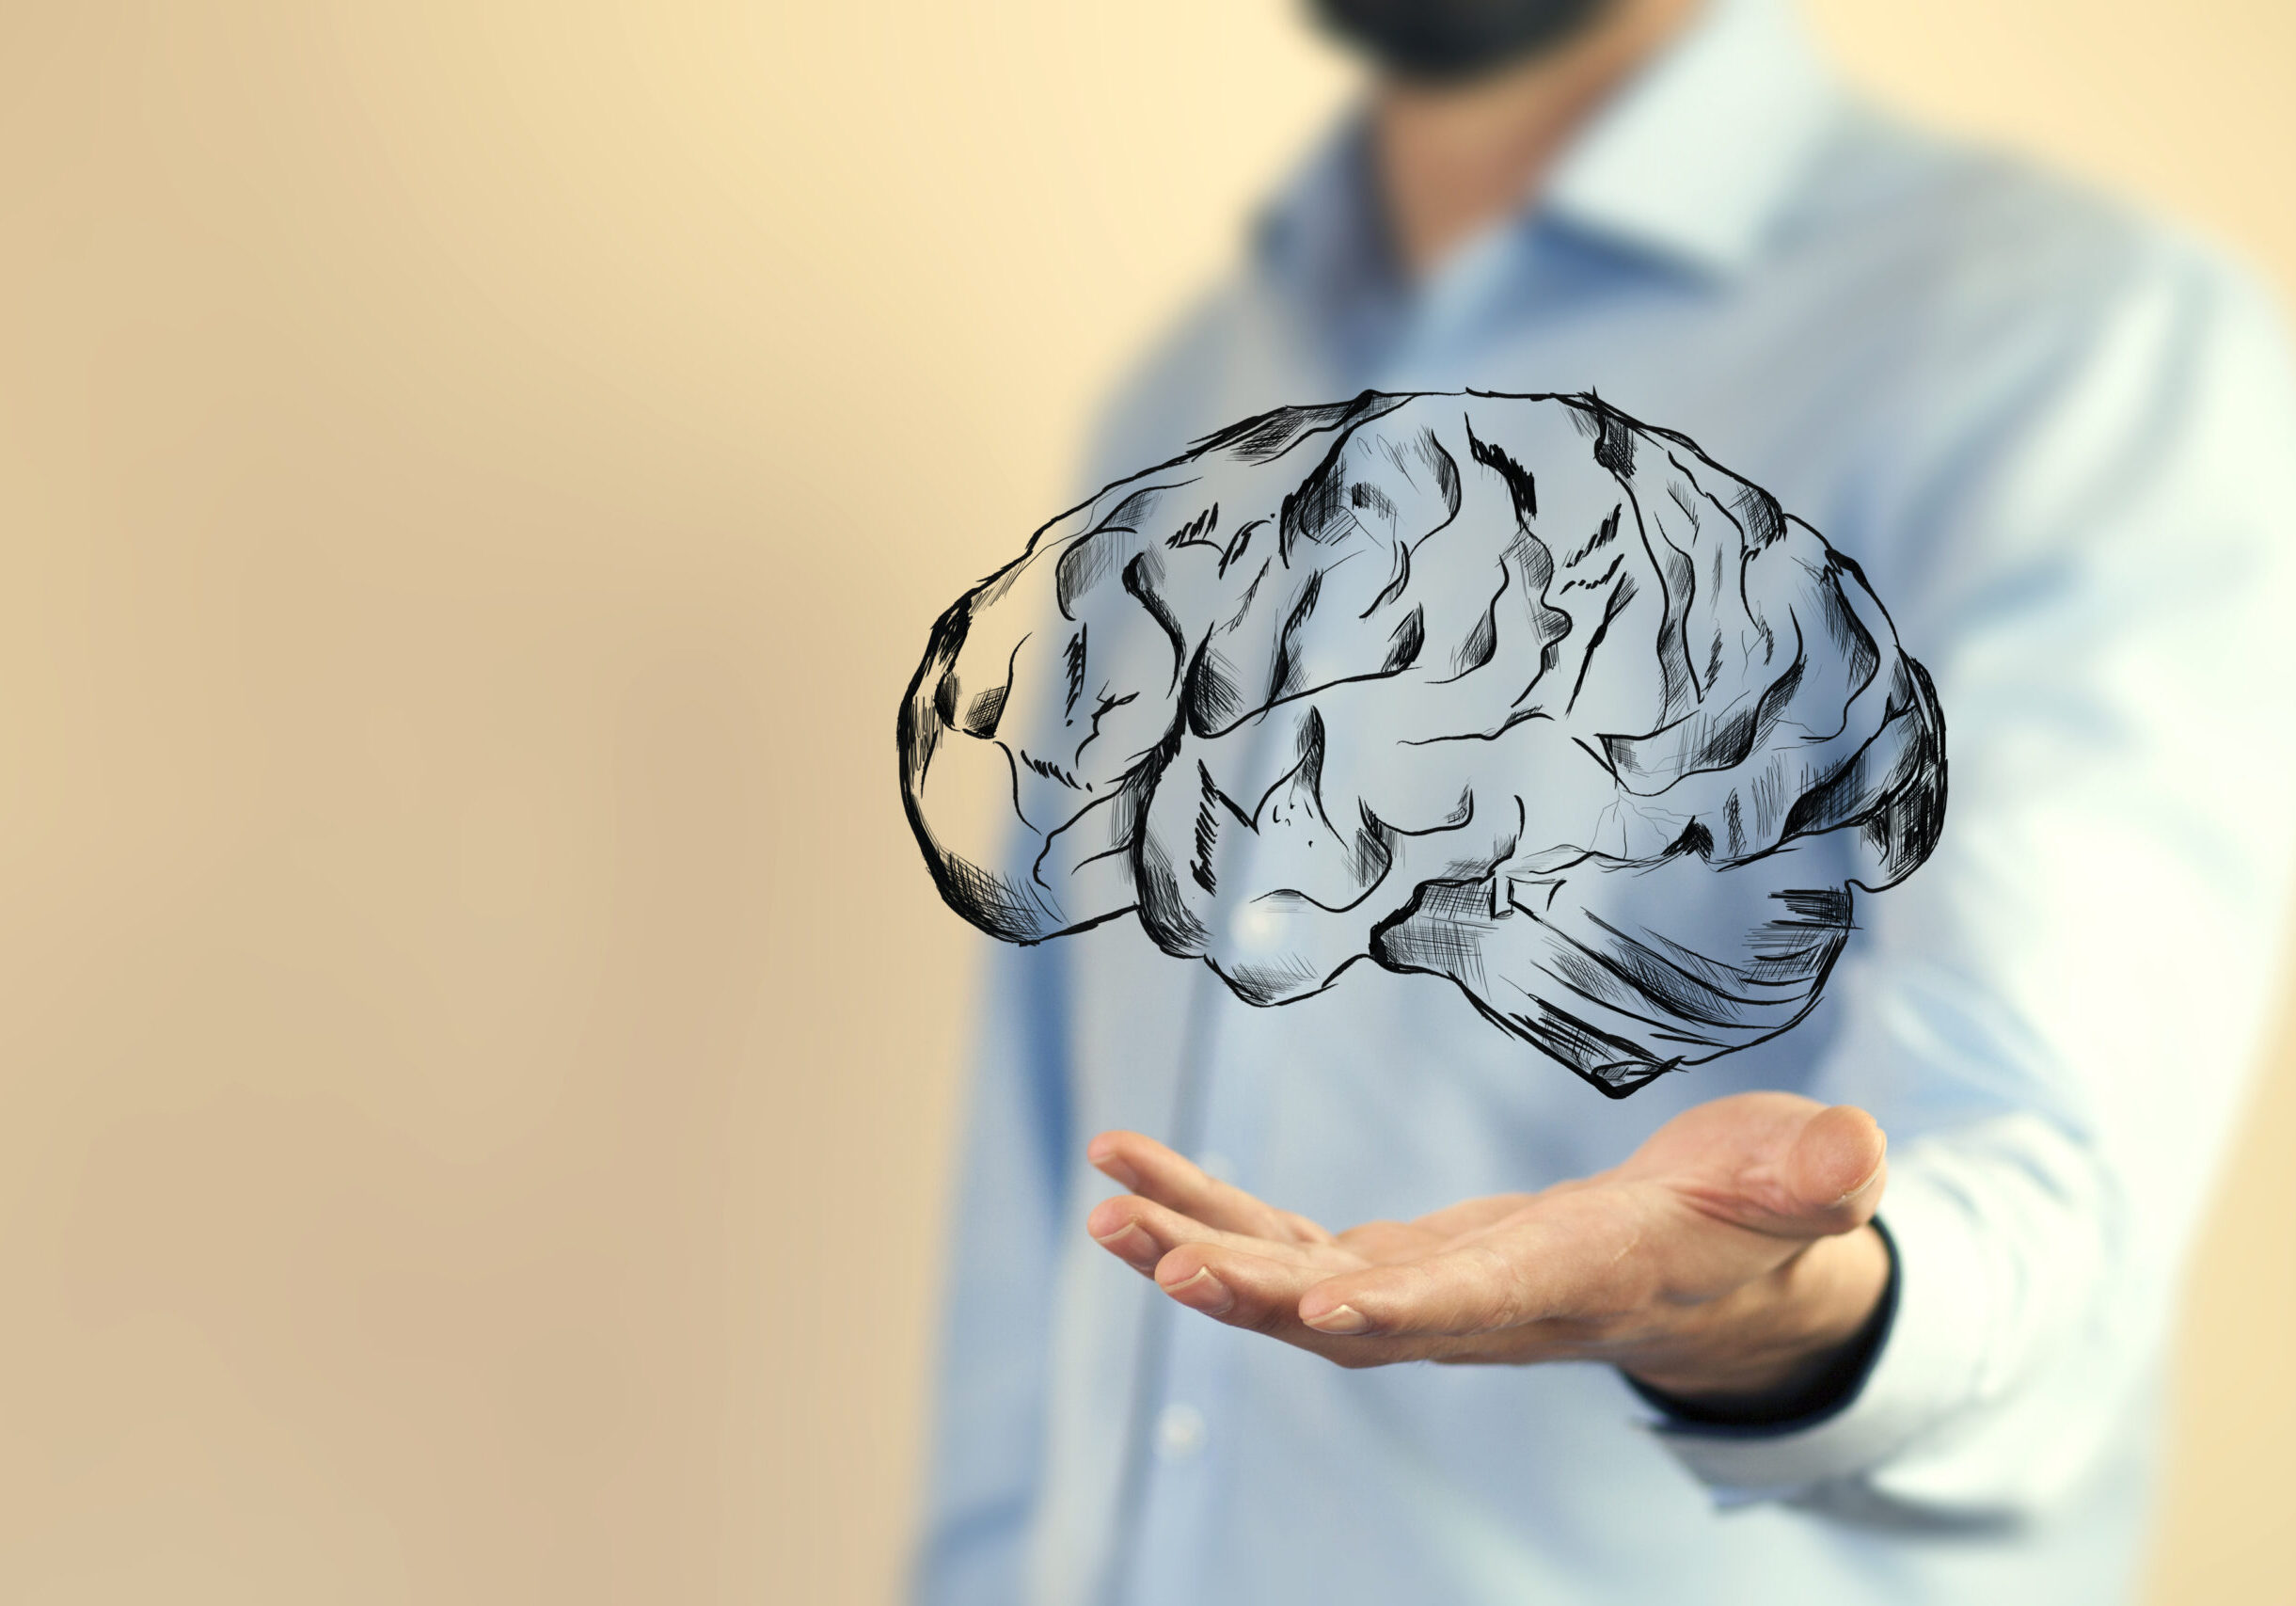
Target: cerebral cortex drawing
x=1514, y=691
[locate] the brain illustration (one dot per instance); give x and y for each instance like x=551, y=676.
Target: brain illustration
x=1509, y=689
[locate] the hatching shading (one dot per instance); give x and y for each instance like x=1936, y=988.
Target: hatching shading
x=1470, y=684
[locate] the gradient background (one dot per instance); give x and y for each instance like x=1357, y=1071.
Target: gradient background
x=477, y=1050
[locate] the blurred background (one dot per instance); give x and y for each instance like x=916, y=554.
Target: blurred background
x=478, y=1047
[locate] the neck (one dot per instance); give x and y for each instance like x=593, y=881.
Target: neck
x=1456, y=158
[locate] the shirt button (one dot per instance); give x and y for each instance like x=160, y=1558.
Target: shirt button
x=1180, y=1431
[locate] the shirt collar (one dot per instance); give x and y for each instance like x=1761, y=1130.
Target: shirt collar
x=1697, y=156
x=1692, y=161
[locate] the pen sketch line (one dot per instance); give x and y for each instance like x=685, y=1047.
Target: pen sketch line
x=1741, y=747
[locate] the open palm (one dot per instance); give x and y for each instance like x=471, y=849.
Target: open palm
x=1725, y=1256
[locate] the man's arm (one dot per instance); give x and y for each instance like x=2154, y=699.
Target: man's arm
x=2056, y=1017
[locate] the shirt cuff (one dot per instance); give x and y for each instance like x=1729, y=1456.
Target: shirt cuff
x=1923, y=1368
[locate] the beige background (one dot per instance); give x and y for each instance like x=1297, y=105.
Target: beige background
x=476, y=1053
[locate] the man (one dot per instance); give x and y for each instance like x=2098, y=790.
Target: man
x=1736, y=1356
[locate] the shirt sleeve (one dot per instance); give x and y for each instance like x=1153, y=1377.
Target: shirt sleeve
x=2055, y=1017
x=987, y=1459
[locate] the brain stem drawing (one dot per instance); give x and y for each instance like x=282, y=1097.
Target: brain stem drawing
x=1509, y=689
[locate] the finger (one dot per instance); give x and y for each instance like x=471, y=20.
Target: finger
x=1776, y=1165
x=1140, y=1233
x=1837, y=1167
x=1568, y=1255
x=1240, y=1289
x=1235, y=1286
x=1153, y=1171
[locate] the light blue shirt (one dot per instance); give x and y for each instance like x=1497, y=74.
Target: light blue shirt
x=2060, y=444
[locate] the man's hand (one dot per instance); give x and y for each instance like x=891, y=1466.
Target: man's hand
x=1728, y=1258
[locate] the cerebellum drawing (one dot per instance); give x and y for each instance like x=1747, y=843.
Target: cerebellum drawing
x=1509, y=689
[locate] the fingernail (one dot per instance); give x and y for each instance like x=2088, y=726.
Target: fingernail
x=1203, y=1291
x=1870, y=1179
x=1116, y=1241
x=1102, y=1151
x=1340, y=1319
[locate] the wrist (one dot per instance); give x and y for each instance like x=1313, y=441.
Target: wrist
x=1789, y=1342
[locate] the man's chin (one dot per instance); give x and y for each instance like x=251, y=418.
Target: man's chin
x=1447, y=42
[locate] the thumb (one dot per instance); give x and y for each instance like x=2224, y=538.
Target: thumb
x=1836, y=1169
